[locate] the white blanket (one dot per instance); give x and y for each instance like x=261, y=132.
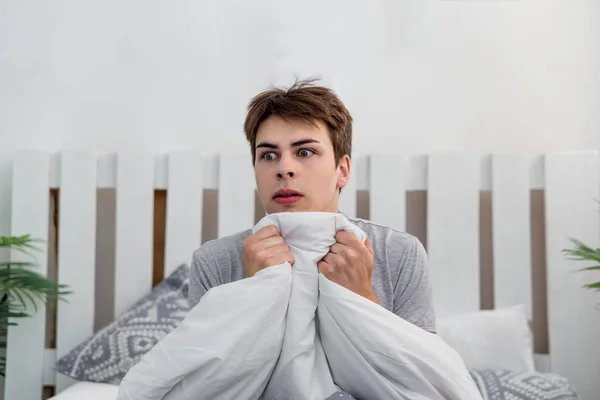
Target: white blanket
x=290, y=333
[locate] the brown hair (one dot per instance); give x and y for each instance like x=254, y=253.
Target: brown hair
x=306, y=102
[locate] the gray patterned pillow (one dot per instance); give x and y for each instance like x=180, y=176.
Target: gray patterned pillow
x=505, y=385
x=109, y=354
x=510, y=385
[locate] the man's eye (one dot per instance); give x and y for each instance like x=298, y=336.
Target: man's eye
x=305, y=153
x=268, y=156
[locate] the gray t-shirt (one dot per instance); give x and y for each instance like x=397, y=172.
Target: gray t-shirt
x=400, y=275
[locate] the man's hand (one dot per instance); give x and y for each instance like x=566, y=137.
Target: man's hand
x=349, y=263
x=263, y=249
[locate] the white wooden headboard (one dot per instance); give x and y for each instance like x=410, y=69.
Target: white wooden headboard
x=453, y=182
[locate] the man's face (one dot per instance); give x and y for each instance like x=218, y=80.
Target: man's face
x=295, y=167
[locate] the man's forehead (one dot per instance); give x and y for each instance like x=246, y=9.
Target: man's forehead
x=276, y=124
x=285, y=133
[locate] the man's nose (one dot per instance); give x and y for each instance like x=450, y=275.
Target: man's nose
x=286, y=173
x=286, y=169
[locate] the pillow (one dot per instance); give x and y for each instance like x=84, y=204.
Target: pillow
x=522, y=385
x=503, y=385
x=109, y=354
x=498, y=339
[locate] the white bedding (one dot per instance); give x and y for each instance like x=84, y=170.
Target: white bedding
x=291, y=333
x=88, y=391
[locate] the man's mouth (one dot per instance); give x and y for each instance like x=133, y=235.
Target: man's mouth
x=286, y=193
x=287, y=196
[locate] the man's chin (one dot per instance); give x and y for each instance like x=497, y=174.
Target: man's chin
x=278, y=209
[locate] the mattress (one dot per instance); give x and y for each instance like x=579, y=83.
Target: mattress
x=88, y=391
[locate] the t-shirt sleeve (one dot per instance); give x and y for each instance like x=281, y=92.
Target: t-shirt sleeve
x=202, y=278
x=413, y=297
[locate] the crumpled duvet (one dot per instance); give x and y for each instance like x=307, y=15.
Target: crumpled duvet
x=290, y=333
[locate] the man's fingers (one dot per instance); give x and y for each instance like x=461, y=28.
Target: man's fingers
x=333, y=261
x=266, y=232
x=278, y=260
x=254, y=245
x=280, y=253
x=325, y=268
x=346, y=238
x=269, y=242
x=260, y=235
x=276, y=249
x=332, y=270
x=337, y=248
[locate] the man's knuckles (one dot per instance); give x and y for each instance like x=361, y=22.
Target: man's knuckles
x=261, y=234
x=343, y=259
x=347, y=238
x=335, y=264
x=264, y=245
x=266, y=232
x=351, y=255
x=325, y=268
x=280, y=251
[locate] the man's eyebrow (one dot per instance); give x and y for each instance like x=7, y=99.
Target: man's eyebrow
x=303, y=142
x=295, y=144
x=267, y=145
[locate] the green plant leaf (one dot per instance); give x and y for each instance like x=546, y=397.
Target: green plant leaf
x=20, y=293
x=592, y=268
x=22, y=244
x=25, y=279
x=23, y=284
x=23, y=240
x=595, y=286
x=17, y=264
x=582, y=251
x=10, y=310
x=12, y=294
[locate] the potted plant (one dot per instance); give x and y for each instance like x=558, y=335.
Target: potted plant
x=582, y=252
x=19, y=283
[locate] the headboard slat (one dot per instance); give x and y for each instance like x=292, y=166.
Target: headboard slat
x=30, y=208
x=236, y=193
x=512, y=232
x=453, y=232
x=76, y=252
x=133, y=229
x=387, y=176
x=184, y=209
x=573, y=319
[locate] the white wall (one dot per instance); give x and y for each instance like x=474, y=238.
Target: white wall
x=419, y=75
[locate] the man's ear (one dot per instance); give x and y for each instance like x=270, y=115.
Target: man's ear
x=343, y=171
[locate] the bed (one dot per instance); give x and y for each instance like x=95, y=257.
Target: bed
x=477, y=214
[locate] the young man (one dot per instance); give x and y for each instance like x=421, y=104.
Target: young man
x=301, y=140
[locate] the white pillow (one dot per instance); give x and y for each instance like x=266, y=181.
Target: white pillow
x=498, y=339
